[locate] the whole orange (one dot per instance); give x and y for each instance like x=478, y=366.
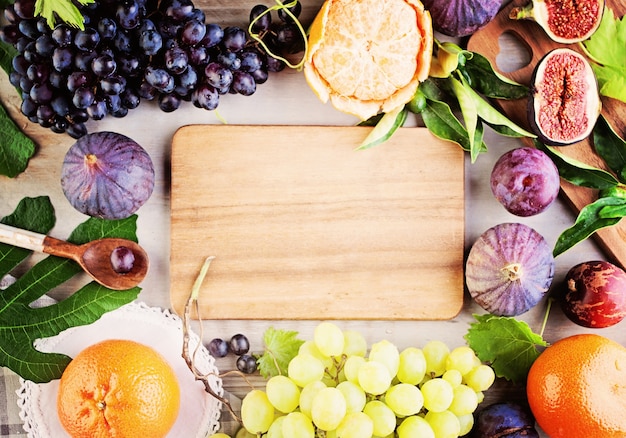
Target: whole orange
x=118, y=388
x=369, y=56
x=577, y=388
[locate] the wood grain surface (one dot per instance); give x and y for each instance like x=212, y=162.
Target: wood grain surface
x=533, y=39
x=303, y=226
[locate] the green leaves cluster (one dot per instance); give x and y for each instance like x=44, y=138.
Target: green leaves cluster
x=20, y=323
x=280, y=347
x=460, y=81
x=61, y=10
x=610, y=207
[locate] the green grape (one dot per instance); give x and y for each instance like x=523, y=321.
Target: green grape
x=438, y=394
x=218, y=435
x=374, y=378
x=415, y=426
x=466, y=422
x=355, y=425
x=354, y=343
x=445, y=424
x=461, y=359
x=404, y=399
x=382, y=416
x=351, y=368
x=283, y=393
x=298, y=425
x=480, y=378
x=412, y=366
x=481, y=396
x=328, y=409
x=329, y=339
x=310, y=348
x=354, y=395
x=436, y=353
x=387, y=354
x=276, y=429
x=257, y=413
x=465, y=400
x=307, y=395
x=453, y=377
x=305, y=368
x=243, y=433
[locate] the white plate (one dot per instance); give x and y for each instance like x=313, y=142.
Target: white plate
x=162, y=330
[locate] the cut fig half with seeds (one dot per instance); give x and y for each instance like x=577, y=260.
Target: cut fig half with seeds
x=564, y=99
x=563, y=21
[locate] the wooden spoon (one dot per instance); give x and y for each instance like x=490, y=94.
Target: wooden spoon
x=94, y=257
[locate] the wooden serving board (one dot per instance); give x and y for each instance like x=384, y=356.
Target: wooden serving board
x=303, y=226
x=535, y=40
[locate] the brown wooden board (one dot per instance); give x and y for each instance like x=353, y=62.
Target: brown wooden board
x=537, y=43
x=303, y=226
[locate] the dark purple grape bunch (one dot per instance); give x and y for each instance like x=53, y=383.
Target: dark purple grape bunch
x=237, y=345
x=283, y=36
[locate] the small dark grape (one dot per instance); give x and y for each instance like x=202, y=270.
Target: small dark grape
x=169, y=102
x=218, y=347
x=76, y=130
x=218, y=76
x=250, y=61
x=29, y=29
x=205, y=96
x=98, y=109
x=295, y=10
x=150, y=41
x=127, y=14
x=243, y=83
x=83, y=97
x=103, y=65
x=192, y=32
x=44, y=45
x=113, y=84
x=107, y=27
x=176, y=60
x=263, y=23
x=229, y=60
x=122, y=260
x=86, y=40
x=239, y=344
x=234, y=38
x=213, y=35
x=41, y=93
x=62, y=35
x=24, y=8
x=62, y=59
x=61, y=105
x=246, y=363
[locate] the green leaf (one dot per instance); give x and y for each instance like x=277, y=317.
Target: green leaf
x=470, y=115
x=21, y=324
x=507, y=343
x=65, y=10
x=607, y=50
x=7, y=53
x=5, y=3
x=385, y=127
x=15, y=147
x=280, y=347
x=609, y=146
x=443, y=124
x=589, y=220
x=494, y=117
x=578, y=173
x=487, y=81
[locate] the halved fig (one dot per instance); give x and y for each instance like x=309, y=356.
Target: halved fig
x=564, y=99
x=509, y=269
x=563, y=21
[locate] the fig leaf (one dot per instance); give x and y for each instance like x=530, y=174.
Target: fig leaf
x=16, y=148
x=22, y=324
x=607, y=50
x=507, y=343
x=487, y=81
x=385, y=127
x=610, y=147
x=589, y=220
x=577, y=172
x=7, y=53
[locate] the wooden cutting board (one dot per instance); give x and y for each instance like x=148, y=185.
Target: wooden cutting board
x=303, y=226
x=535, y=40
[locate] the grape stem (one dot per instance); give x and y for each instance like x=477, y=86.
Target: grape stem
x=257, y=37
x=189, y=358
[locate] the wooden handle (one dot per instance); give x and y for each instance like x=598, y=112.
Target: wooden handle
x=22, y=238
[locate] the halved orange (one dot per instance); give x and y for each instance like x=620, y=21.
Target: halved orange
x=368, y=56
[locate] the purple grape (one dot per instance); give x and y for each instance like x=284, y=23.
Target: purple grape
x=239, y=344
x=62, y=35
x=246, y=363
x=218, y=76
x=169, y=102
x=192, y=32
x=234, y=38
x=122, y=260
x=213, y=35
x=86, y=40
x=243, y=83
x=525, y=181
x=176, y=60
x=150, y=41
x=107, y=27
x=127, y=14
x=205, y=96
x=218, y=347
x=264, y=22
x=295, y=10
x=103, y=65
x=505, y=420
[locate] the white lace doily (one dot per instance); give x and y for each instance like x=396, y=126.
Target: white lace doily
x=162, y=330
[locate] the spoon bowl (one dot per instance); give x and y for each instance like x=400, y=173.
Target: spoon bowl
x=94, y=257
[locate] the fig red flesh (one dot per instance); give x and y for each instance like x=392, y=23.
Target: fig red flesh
x=595, y=294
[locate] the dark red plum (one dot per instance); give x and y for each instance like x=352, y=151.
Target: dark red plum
x=107, y=175
x=525, y=181
x=509, y=269
x=595, y=294
x=504, y=420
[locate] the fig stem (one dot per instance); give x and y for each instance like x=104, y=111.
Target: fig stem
x=512, y=271
x=545, y=317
